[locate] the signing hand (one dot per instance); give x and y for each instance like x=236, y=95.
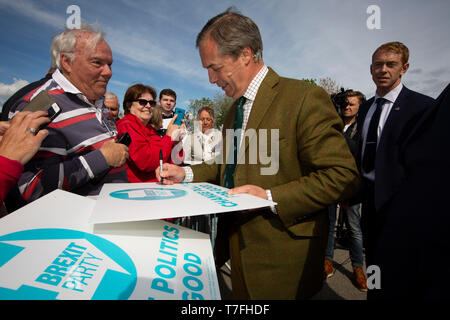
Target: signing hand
x=171, y=174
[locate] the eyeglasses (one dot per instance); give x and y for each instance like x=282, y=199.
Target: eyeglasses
x=144, y=102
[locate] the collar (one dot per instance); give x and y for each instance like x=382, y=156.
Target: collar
x=252, y=89
x=67, y=86
x=392, y=95
x=172, y=114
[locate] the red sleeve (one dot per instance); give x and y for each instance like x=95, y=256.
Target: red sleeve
x=144, y=152
x=10, y=171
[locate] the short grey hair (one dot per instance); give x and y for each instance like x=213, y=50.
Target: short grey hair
x=66, y=41
x=232, y=32
x=111, y=95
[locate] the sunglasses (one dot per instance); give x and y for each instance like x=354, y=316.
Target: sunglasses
x=144, y=102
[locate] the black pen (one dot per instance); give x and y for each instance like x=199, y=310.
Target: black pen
x=161, y=165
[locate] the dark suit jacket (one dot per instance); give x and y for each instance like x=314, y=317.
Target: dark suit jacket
x=282, y=255
x=413, y=251
x=389, y=170
x=352, y=137
x=19, y=94
x=406, y=111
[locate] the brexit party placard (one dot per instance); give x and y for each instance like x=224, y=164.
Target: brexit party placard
x=48, y=250
x=119, y=202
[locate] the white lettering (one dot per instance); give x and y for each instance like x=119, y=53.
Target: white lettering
x=374, y=20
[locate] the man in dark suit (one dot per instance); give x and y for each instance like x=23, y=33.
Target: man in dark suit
x=275, y=253
x=418, y=216
x=386, y=120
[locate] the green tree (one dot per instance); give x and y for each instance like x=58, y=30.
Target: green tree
x=222, y=104
x=329, y=85
x=312, y=81
x=194, y=105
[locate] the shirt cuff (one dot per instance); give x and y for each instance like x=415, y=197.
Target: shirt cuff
x=189, y=174
x=269, y=197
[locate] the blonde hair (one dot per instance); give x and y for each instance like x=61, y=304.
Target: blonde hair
x=156, y=118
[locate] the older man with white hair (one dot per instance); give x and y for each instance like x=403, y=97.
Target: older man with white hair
x=80, y=153
x=112, y=104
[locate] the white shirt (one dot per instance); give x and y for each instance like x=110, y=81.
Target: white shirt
x=250, y=95
x=391, y=96
x=67, y=86
x=199, y=147
x=101, y=112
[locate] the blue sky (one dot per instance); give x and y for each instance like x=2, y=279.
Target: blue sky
x=153, y=42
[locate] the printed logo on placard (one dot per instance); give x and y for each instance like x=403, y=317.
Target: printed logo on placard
x=44, y=264
x=148, y=194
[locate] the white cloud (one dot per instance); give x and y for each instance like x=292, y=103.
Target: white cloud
x=326, y=38
x=30, y=10
x=119, y=83
x=7, y=90
x=156, y=53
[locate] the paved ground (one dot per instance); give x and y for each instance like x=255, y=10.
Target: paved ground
x=337, y=287
x=340, y=285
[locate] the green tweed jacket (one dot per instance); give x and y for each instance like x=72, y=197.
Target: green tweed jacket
x=282, y=254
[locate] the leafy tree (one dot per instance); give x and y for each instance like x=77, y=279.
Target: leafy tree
x=312, y=81
x=329, y=85
x=194, y=105
x=220, y=103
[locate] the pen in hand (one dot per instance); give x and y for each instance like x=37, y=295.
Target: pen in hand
x=161, y=165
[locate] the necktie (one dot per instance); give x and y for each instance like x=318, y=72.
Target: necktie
x=370, y=150
x=228, y=181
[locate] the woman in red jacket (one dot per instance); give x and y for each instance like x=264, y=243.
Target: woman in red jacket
x=138, y=104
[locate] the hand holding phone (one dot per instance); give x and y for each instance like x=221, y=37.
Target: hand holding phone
x=180, y=116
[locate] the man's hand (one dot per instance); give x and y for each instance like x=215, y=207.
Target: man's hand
x=250, y=189
x=173, y=129
x=171, y=174
x=4, y=125
x=19, y=142
x=115, y=153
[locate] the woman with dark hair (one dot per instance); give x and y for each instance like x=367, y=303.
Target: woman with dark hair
x=141, y=123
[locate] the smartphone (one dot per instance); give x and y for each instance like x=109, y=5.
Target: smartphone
x=125, y=139
x=180, y=116
x=44, y=102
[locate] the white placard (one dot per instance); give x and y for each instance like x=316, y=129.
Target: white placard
x=120, y=202
x=48, y=250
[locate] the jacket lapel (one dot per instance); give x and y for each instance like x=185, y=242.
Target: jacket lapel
x=264, y=98
x=227, y=124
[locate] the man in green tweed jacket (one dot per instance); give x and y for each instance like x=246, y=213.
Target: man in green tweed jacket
x=276, y=253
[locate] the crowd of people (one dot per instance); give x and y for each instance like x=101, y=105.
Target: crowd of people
x=367, y=159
